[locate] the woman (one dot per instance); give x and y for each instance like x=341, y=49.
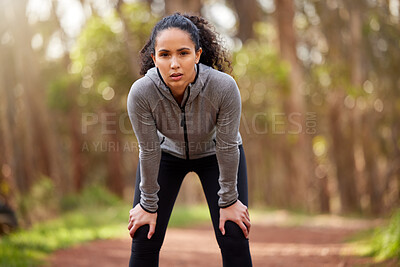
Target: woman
x=185, y=113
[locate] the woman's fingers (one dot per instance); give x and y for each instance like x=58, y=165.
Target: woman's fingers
x=248, y=224
x=133, y=230
x=151, y=230
x=130, y=224
x=244, y=228
x=247, y=216
x=245, y=223
x=222, y=226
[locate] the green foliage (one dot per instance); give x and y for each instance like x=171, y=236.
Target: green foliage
x=184, y=216
x=41, y=202
x=263, y=82
x=382, y=243
x=140, y=22
x=62, y=91
x=94, y=214
x=261, y=76
x=91, y=196
x=11, y=256
x=29, y=247
x=385, y=243
x=96, y=56
x=101, y=54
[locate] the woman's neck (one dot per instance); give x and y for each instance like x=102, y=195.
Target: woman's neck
x=178, y=95
x=179, y=92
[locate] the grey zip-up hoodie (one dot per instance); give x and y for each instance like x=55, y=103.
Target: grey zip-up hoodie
x=206, y=123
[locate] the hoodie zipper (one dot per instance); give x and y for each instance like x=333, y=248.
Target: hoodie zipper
x=183, y=121
x=183, y=124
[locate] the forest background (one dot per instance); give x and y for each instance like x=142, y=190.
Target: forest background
x=319, y=83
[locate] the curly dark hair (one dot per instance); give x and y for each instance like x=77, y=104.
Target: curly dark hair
x=202, y=34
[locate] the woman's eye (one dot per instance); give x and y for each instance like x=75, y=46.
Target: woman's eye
x=163, y=55
x=184, y=53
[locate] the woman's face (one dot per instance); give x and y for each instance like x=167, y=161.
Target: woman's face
x=175, y=57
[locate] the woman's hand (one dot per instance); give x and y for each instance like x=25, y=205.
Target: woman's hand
x=139, y=217
x=237, y=213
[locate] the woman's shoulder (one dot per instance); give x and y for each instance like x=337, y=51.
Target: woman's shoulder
x=143, y=83
x=142, y=87
x=221, y=77
x=221, y=80
x=217, y=74
x=220, y=87
x=141, y=92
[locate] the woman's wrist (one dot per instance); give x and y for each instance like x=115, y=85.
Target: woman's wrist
x=230, y=204
x=149, y=211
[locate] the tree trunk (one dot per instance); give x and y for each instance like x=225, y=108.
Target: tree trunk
x=341, y=120
x=8, y=162
x=248, y=14
x=371, y=151
x=114, y=180
x=78, y=170
x=357, y=70
x=324, y=206
x=363, y=122
x=183, y=6
x=301, y=154
x=343, y=154
x=149, y=2
x=41, y=147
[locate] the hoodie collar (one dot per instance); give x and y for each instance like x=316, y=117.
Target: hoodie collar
x=195, y=87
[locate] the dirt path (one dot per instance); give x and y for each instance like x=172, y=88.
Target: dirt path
x=320, y=243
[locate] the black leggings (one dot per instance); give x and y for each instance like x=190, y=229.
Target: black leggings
x=234, y=246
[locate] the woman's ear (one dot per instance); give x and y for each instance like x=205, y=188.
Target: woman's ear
x=198, y=54
x=154, y=59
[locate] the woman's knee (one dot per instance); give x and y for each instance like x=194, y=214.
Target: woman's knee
x=142, y=245
x=233, y=239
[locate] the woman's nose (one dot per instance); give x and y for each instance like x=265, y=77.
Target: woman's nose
x=174, y=63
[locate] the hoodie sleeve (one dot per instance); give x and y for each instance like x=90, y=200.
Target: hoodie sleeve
x=144, y=126
x=227, y=142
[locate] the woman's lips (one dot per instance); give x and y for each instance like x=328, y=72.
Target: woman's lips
x=176, y=76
